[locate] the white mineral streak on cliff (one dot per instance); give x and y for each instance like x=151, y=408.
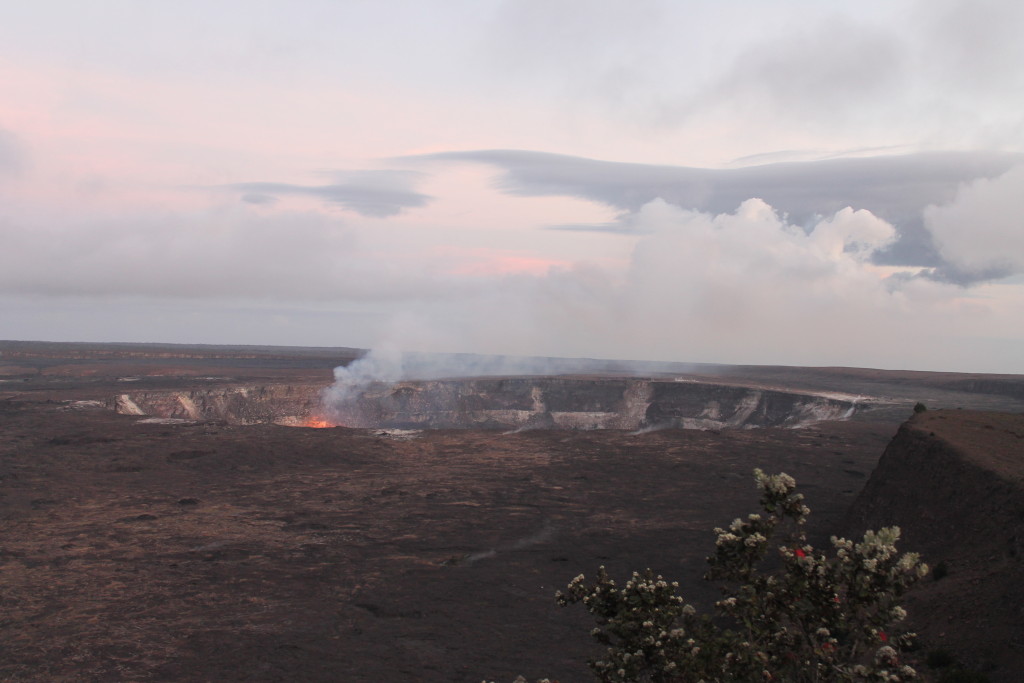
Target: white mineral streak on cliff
x=700, y=423
x=537, y=395
x=712, y=411
x=745, y=408
x=189, y=406
x=512, y=418
x=636, y=401
x=584, y=420
x=818, y=410
x=126, y=406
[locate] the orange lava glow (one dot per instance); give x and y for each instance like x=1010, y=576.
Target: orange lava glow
x=317, y=423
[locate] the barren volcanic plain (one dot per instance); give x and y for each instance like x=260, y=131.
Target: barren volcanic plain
x=199, y=548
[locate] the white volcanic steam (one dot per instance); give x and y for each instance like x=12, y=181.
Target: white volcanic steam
x=707, y=263
x=726, y=288
x=387, y=364
x=382, y=364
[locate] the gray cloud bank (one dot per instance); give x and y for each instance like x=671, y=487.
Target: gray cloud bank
x=945, y=71
x=236, y=252
x=895, y=188
x=378, y=194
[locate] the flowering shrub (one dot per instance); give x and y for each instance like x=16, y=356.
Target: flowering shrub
x=816, y=617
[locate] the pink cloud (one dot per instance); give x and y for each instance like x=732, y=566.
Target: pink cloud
x=482, y=261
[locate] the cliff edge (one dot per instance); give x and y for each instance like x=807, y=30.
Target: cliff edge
x=953, y=481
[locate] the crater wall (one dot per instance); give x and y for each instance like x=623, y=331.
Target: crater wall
x=501, y=403
x=287, y=404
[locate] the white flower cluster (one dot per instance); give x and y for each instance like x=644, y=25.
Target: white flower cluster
x=725, y=537
x=780, y=484
x=813, y=612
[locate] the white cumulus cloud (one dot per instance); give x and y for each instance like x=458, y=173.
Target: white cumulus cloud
x=745, y=286
x=983, y=228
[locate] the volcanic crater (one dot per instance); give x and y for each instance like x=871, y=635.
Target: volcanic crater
x=499, y=403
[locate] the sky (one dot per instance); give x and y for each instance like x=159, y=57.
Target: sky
x=794, y=182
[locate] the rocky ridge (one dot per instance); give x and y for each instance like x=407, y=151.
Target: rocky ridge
x=953, y=481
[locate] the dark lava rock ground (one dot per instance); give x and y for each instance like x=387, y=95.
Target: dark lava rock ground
x=213, y=552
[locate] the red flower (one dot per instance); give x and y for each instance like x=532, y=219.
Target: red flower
x=800, y=552
x=883, y=636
